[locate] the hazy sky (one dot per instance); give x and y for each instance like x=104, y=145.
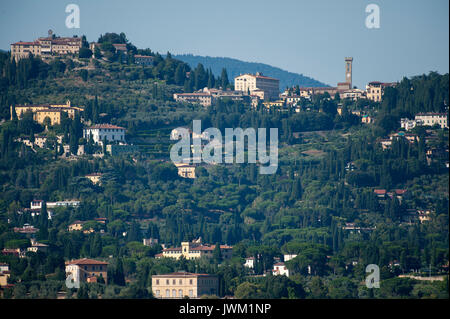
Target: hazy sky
x=309, y=37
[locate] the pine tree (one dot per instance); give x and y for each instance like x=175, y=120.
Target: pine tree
x=297, y=191
x=224, y=79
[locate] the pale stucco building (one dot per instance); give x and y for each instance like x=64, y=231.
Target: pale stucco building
x=192, y=250
x=255, y=83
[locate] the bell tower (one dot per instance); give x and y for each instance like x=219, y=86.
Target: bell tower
x=348, y=70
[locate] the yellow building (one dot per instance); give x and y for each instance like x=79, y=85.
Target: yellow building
x=42, y=111
x=194, y=250
x=94, y=178
x=254, y=83
x=375, y=90
x=186, y=170
x=76, y=225
x=178, y=285
x=4, y=274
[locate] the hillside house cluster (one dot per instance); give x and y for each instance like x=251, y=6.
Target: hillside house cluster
x=46, y=47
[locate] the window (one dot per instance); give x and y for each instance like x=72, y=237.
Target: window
x=191, y=293
x=167, y=282
x=167, y=293
x=180, y=281
x=180, y=293
x=174, y=282
x=174, y=293
x=157, y=281
x=157, y=293
x=190, y=281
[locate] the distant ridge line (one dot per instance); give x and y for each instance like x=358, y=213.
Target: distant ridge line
x=236, y=67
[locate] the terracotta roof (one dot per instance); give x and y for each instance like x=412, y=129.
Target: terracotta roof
x=78, y=222
x=39, y=245
x=193, y=94
x=279, y=264
x=181, y=274
x=259, y=76
x=35, y=105
x=86, y=261
x=94, y=174
x=173, y=249
x=26, y=43
x=105, y=126
x=431, y=114
x=379, y=191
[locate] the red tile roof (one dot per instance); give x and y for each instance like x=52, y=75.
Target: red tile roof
x=86, y=261
x=106, y=126
x=181, y=274
x=26, y=43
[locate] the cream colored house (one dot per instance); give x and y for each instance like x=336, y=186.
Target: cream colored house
x=191, y=250
x=186, y=170
x=76, y=225
x=184, y=284
x=353, y=94
x=35, y=247
x=86, y=269
x=430, y=119
x=255, y=82
x=94, y=178
x=204, y=99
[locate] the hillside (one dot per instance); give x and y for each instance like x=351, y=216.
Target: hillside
x=235, y=67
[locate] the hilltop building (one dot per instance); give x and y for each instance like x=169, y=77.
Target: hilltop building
x=345, y=88
x=257, y=84
x=178, y=285
x=46, y=47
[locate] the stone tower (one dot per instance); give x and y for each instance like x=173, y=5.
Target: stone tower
x=348, y=71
